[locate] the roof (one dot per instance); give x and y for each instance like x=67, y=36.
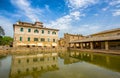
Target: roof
x=25, y=24
x=116, y=37
x=106, y=31
x=73, y=34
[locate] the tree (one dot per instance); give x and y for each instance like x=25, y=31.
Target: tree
x=2, y=33
x=6, y=40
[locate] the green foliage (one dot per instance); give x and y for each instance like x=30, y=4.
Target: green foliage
x=2, y=32
x=6, y=40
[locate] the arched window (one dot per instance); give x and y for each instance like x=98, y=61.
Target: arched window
x=42, y=31
x=54, y=33
x=36, y=31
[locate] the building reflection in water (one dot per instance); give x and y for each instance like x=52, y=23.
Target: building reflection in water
x=111, y=62
x=33, y=65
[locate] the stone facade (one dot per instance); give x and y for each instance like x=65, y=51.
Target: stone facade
x=28, y=34
x=64, y=42
x=106, y=40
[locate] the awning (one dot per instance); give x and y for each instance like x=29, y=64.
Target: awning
x=21, y=44
x=54, y=44
x=31, y=44
x=47, y=45
x=40, y=44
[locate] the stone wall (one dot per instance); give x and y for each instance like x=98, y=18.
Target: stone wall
x=22, y=50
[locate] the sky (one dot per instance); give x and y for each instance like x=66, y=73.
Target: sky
x=69, y=16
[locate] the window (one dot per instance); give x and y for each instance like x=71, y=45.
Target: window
x=118, y=33
x=42, y=31
x=53, y=40
x=28, y=38
x=35, y=39
x=36, y=31
x=35, y=59
x=41, y=59
x=41, y=67
x=20, y=38
x=21, y=29
x=19, y=61
x=48, y=59
x=53, y=58
x=18, y=71
x=48, y=40
x=29, y=30
x=53, y=32
x=73, y=37
x=27, y=60
x=42, y=39
x=48, y=32
x=27, y=70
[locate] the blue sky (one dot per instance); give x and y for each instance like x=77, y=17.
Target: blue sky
x=70, y=16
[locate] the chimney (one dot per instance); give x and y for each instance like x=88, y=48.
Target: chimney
x=39, y=24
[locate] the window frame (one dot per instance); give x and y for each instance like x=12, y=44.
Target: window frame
x=48, y=32
x=29, y=30
x=42, y=39
x=36, y=31
x=21, y=39
x=54, y=40
x=42, y=32
x=48, y=39
x=35, y=39
x=21, y=29
x=28, y=39
x=53, y=33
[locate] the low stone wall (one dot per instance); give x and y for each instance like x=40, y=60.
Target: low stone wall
x=97, y=51
x=31, y=50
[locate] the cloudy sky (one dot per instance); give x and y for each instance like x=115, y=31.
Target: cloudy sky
x=70, y=16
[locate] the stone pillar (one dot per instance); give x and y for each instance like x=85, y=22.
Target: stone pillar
x=91, y=45
x=81, y=46
x=69, y=45
x=106, y=45
x=74, y=45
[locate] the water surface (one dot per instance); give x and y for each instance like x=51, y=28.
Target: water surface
x=61, y=65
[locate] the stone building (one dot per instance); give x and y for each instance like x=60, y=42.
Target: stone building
x=64, y=42
x=108, y=40
x=32, y=35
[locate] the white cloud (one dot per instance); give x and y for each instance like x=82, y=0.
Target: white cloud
x=26, y=9
x=77, y=4
x=106, y=8
x=96, y=14
x=116, y=12
x=47, y=8
x=115, y=3
x=65, y=23
x=83, y=29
